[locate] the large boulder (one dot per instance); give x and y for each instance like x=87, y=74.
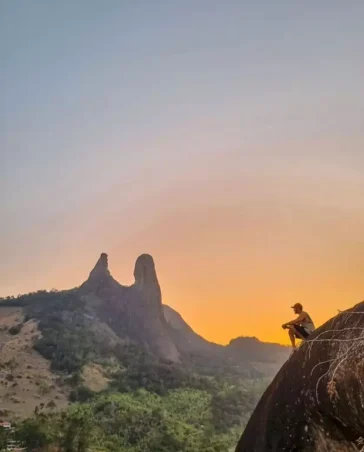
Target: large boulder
x=316, y=402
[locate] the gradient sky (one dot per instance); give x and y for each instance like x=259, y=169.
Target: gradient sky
x=225, y=138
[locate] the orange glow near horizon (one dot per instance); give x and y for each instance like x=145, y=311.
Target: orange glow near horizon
x=233, y=252
x=225, y=139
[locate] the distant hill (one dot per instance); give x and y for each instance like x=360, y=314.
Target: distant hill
x=241, y=353
x=252, y=349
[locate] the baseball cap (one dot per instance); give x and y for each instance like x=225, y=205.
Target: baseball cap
x=297, y=305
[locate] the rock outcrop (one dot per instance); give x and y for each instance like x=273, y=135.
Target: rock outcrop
x=146, y=280
x=136, y=312
x=133, y=312
x=100, y=278
x=316, y=402
x=147, y=287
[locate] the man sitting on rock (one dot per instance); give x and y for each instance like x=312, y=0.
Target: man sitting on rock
x=301, y=327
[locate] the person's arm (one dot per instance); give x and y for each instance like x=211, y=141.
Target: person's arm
x=295, y=321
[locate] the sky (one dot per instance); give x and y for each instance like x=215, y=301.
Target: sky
x=226, y=139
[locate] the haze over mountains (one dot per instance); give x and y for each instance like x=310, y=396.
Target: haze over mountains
x=104, y=338
x=138, y=313
x=103, y=321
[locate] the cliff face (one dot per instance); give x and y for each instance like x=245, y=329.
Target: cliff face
x=316, y=402
x=134, y=312
x=147, y=287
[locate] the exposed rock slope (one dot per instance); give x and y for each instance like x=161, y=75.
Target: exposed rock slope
x=26, y=380
x=316, y=402
x=134, y=312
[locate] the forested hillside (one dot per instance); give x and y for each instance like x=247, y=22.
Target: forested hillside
x=79, y=375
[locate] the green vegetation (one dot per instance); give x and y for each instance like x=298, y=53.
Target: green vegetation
x=4, y=437
x=184, y=419
x=150, y=405
x=66, y=341
x=141, y=421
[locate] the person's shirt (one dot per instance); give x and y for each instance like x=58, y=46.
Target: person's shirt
x=307, y=323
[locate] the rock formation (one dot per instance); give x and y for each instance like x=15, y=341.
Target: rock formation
x=133, y=312
x=147, y=287
x=146, y=279
x=100, y=278
x=136, y=312
x=316, y=402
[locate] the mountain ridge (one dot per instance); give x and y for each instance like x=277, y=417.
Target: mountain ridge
x=136, y=311
x=113, y=334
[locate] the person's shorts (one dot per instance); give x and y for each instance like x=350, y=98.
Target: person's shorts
x=301, y=331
